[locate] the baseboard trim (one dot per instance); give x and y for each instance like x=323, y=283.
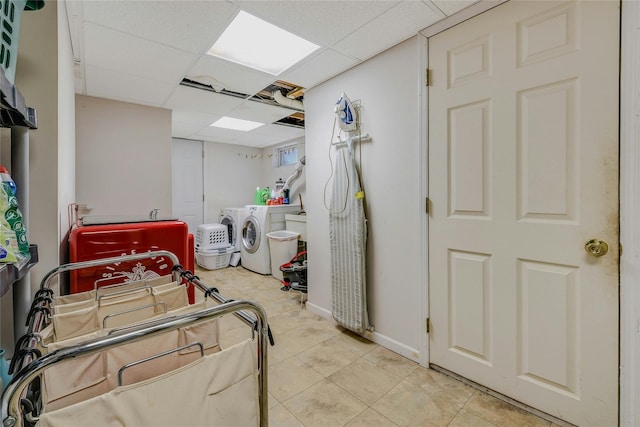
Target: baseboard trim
x=404, y=350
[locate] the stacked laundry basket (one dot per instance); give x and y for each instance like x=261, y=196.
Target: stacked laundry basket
x=213, y=249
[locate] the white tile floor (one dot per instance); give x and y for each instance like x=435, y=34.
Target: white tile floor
x=323, y=375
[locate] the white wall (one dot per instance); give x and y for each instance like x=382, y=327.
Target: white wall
x=231, y=175
x=66, y=130
x=123, y=157
x=387, y=87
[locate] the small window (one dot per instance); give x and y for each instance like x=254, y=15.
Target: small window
x=287, y=155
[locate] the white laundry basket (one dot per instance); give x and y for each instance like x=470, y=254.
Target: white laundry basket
x=213, y=259
x=213, y=246
x=212, y=236
x=283, y=245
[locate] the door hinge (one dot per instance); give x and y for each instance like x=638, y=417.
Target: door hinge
x=427, y=202
x=428, y=324
x=427, y=74
x=203, y=197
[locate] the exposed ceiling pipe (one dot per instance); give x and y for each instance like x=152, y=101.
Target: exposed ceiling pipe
x=284, y=101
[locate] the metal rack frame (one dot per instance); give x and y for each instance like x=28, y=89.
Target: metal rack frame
x=16, y=115
x=30, y=364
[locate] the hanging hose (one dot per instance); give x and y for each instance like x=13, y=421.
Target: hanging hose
x=324, y=192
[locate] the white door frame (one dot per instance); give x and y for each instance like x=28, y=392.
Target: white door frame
x=629, y=214
x=629, y=197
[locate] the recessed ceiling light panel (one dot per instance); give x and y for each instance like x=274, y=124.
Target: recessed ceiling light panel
x=255, y=43
x=236, y=124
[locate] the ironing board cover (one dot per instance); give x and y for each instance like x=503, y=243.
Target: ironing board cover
x=347, y=242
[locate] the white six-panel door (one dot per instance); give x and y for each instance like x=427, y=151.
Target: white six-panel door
x=523, y=171
x=188, y=187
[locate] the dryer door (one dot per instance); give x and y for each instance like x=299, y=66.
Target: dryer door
x=251, y=234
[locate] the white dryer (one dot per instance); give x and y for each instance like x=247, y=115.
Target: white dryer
x=258, y=221
x=232, y=219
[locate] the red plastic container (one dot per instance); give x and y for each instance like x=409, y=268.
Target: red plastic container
x=109, y=240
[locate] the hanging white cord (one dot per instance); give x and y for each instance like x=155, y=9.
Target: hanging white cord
x=344, y=161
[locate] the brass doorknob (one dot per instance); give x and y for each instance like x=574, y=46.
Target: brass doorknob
x=596, y=247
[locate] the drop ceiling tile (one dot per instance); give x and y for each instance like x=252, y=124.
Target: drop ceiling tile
x=194, y=117
x=190, y=25
x=253, y=139
x=209, y=138
x=319, y=68
x=281, y=132
x=192, y=99
x=231, y=76
x=183, y=130
x=259, y=112
x=398, y=24
x=113, y=50
x=321, y=22
x=124, y=87
x=449, y=7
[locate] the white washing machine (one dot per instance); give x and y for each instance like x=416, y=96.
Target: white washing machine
x=232, y=219
x=258, y=221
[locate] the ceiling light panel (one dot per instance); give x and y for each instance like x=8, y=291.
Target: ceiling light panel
x=257, y=44
x=322, y=22
x=236, y=124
